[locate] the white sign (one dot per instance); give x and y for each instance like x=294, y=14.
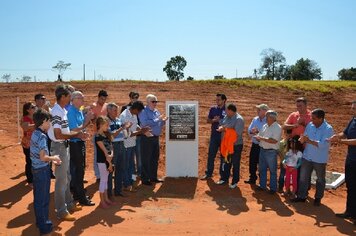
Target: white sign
x=182, y=139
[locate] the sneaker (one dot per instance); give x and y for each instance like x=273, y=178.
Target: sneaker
x=67, y=217
x=205, y=177
x=317, y=202
x=220, y=182
x=344, y=215
x=232, y=186
x=75, y=208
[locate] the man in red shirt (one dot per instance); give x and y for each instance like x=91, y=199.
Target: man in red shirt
x=298, y=120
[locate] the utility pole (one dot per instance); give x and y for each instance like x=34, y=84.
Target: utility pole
x=236, y=74
x=94, y=74
x=84, y=72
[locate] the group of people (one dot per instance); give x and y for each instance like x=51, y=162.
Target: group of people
x=302, y=144
x=126, y=149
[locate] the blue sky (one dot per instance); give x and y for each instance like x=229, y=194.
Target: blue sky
x=134, y=39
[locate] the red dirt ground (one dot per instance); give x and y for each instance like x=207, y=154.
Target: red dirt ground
x=178, y=206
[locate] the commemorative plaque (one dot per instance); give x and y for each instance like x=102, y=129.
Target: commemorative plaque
x=182, y=121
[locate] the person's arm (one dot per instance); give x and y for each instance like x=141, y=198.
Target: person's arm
x=287, y=124
x=26, y=126
x=349, y=142
x=44, y=157
x=102, y=147
x=73, y=134
x=239, y=127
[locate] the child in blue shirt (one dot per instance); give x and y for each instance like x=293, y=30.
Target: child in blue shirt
x=41, y=170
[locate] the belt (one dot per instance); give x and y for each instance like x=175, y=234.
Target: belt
x=269, y=149
x=66, y=142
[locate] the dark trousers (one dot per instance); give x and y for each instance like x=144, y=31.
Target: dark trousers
x=119, y=163
x=28, y=166
x=41, y=186
x=77, y=167
x=253, y=161
x=282, y=174
x=305, y=175
x=214, y=146
x=350, y=179
x=150, y=156
x=225, y=168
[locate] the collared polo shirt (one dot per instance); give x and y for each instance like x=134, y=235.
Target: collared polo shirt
x=320, y=153
x=216, y=111
x=127, y=116
x=293, y=119
x=59, y=121
x=151, y=119
x=350, y=133
x=236, y=122
x=273, y=131
x=38, y=143
x=75, y=120
x=258, y=123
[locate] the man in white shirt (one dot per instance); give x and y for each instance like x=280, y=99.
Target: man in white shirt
x=269, y=138
x=59, y=133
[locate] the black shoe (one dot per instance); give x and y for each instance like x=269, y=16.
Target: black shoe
x=148, y=183
x=205, y=177
x=298, y=199
x=86, y=202
x=85, y=181
x=52, y=176
x=157, y=180
x=250, y=181
x=97, y=181
x=317, y=202
x=280, y=189
x=344, y=215
x=271, y=192
x=259, y=188
x=120, y=195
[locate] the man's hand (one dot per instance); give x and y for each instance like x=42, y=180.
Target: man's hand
x=216, y=119
x=303, y=139
x=56, y=160
x=220, y=129
x=334, y=139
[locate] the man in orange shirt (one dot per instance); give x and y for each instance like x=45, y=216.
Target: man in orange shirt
x=99, y=108
x=298, y=120
x=295, y=123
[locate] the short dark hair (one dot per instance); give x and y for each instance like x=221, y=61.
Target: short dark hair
x=38, y=96
x=354, y=102
x=40, y=116
x=133, y=94
x=138, y=105
x=301, y=99
x=61, y=90
x=223, y=96
x=320, y=113
x=231, y=107
x=295, y=140
x=102, y=93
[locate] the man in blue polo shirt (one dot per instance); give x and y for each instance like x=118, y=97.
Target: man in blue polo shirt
x=216, y=113
x=77, y=122
x=348, y=137
x=315, y=156
x=152, y=119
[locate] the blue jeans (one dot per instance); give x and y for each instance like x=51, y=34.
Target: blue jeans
x=214, y=146
x=225, y=167
x=129, y=166
x=306, y=170
x=282, y=174
x=41, y=186
x=138, y=156
x=119, y=162
x=268, y=159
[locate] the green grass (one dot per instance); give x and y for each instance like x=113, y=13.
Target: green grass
x=320, y=86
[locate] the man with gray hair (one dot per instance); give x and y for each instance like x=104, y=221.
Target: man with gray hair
x=269, y=138
x=77, y=122
x=150, y=117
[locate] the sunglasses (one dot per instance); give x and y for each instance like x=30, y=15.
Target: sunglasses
x=154, y=102
x=32, y=107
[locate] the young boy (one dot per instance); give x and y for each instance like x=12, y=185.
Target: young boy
x=41, y=170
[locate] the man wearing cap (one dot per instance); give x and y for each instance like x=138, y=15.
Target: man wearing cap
x=256, y=125
x=216, y=113
x=298, y=120
x=99, y=108
x=150, y=117
x=315, y=156
x=77, y=122
x=269, y=137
